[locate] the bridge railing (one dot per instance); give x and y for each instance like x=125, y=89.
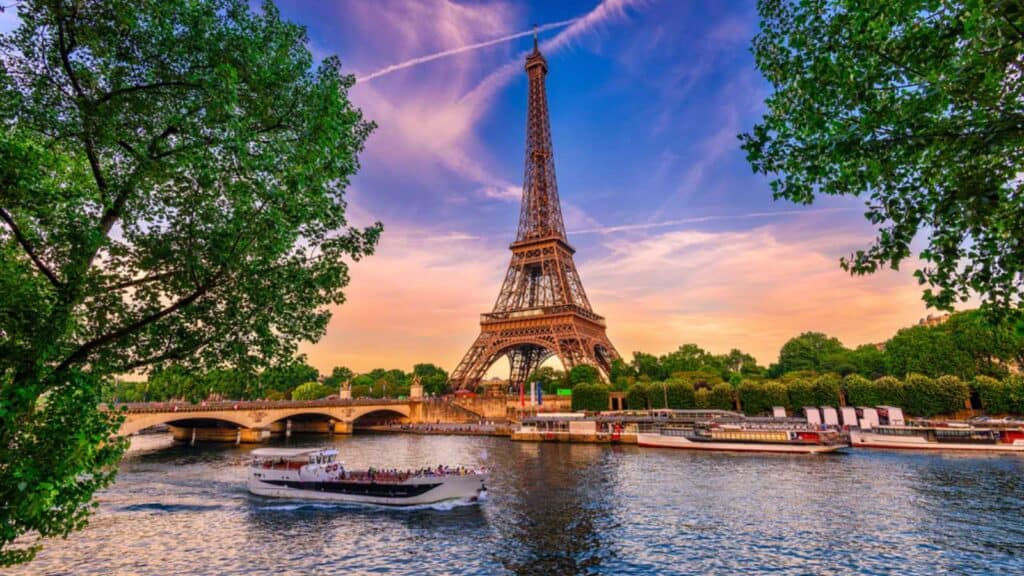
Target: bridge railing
x=220, y=405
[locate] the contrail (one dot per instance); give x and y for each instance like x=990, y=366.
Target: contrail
x=460, y=50
x=700, y=219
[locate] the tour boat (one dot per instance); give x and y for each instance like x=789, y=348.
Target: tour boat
x=790, y=437
x=316, y=474
x=941, y=436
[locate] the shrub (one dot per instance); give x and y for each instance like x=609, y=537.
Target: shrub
x=891, y=392
x=825, y=390
x=723, y=397
x=702, y=397
x=1014, y=386
x=311, y=391
x=760, y=397
x=860, y=391
x=639, y=396
x=592, y=397
x=919, y=396
x=800, y=393
x=952, y=394
x=993, y=394
x=680, y=395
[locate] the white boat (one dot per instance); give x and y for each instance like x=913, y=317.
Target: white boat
x=940, y=436
x=791, y=438
x=317, y=474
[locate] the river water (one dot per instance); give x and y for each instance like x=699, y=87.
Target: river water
x=562, y=509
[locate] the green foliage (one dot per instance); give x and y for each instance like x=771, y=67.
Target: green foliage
x=868, y=361
x=433, y=378
x=230, y=384
x=800, y=392
x=891, y=391
x=758, y=397
x=992, y=393
x=680, y=394
x=286, y=377
x=860, y=391
x=339, y=376
x=722, y=397
x=42, y=484
x=825, y=390
x=590, y=397
x=1014, y=390
x=312, y=391
x=953, y=394
x=550, y=380
x=702, y=398
x=645, y=396
x=582, y=374
x=919, y=397
x=173, y=179
x=926, y=350
x=912, y=107
x=810, y=351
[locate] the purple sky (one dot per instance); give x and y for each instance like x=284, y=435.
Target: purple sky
x=677, y=240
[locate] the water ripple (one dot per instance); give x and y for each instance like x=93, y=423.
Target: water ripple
x=564, y=509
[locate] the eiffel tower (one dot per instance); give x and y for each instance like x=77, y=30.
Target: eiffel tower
x=542, y=310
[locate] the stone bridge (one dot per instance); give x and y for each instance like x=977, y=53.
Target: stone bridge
x=254, y=421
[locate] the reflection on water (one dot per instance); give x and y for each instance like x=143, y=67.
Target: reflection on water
x=562, y=509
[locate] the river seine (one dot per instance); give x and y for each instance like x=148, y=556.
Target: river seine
x=562, y=509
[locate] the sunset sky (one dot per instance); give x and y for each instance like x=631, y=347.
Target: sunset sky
x=677, y=240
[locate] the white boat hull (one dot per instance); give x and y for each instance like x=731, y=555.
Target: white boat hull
x=680, y=442
x=867, y=439
x=444, y=489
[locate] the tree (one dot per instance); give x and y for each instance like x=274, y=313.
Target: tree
x=688, y=358
x=647, y=365
x=172, y=182
x=287, y=376
x=868, y=361
x=312, y=391
x=230, y=383
x=808, y=351
x=926, y=350
x=433, y=378
x=339, y=375
x=548, y=378
x=917, y=106
x=590, y=396
x=583, y=373
x=991, y=343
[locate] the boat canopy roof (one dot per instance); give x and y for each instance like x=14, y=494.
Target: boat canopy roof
x=290, y=453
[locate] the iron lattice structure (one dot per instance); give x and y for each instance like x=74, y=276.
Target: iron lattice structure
x=542, y=309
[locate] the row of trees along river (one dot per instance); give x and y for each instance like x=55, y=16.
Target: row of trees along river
x=927, y=369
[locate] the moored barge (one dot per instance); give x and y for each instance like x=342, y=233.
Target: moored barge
x=752, y=436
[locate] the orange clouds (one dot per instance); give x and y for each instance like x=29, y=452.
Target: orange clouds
x=418, y=299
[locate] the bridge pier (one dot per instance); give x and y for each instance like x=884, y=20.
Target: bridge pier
x=233, y=435
x=342, y=428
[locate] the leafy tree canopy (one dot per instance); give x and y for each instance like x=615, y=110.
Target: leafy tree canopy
x=916, y=106
x=812, y=351
x=433, y=378
x=339, y=375
x=171, y=189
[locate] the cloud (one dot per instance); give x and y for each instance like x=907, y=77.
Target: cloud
x=702, y=219
x=751, y=290
x=460, y=50
x=418, y=299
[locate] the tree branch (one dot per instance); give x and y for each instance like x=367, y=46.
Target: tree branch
x=27, y=246
x=82, y=353
x=138, y=281
x=143, y=87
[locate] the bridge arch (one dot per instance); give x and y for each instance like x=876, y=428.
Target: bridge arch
x=137, y=422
